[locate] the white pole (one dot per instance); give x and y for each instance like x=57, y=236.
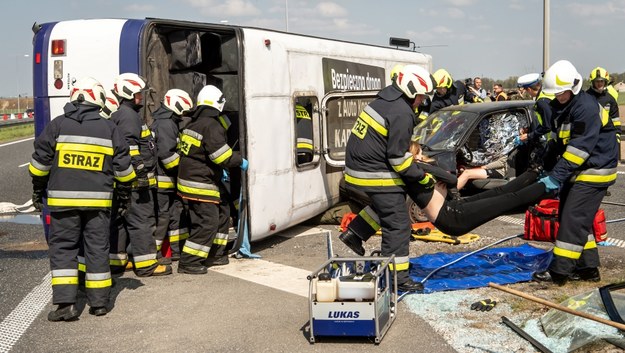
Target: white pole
x=17, y=80
x=286, y=14
x=545, y=35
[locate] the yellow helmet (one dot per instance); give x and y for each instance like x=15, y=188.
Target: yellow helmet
x=599, y=73
x=395, y=71
x=443, y=79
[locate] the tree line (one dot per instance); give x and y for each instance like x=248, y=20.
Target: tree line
x=510, y=82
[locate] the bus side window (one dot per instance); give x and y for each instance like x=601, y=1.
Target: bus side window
x=304, y=142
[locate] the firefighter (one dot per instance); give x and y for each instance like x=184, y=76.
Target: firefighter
x=77, y=158
x=171, y=219
x=304, y=135
x=138, y=222
x=587, y=165
x=541, y=125
x=448, y=92
x=205, y=154
x=599, y=81
x=378, y=163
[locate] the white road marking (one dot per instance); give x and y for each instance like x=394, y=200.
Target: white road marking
x=23, y=165
x=285, y=278
x=17, y=322
x=18, y=141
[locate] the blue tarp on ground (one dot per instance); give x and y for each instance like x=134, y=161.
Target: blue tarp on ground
x=498, y=265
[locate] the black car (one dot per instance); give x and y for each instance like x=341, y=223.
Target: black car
x=470, y=135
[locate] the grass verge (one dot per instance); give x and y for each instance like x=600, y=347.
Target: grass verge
x=15, y=132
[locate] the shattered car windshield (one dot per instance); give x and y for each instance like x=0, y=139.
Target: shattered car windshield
x=444, y=129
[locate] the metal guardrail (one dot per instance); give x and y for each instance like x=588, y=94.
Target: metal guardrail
x=16, y=119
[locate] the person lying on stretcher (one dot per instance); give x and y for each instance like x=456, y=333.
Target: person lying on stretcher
x=452, y=217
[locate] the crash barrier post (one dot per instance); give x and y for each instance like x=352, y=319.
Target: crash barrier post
x=558, y=306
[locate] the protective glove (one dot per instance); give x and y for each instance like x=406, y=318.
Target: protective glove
x=224, y=176
x=518, y=141
x=484, y=305
x=244, y=164
x=551, y=184
x=428, y=181
x=123, y=198
x=143, y=183
x=37, y=199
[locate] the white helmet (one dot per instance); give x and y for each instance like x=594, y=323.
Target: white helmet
x=413, y=80
x=110, y=106
x=562, y=76
x=88, y=90
x=211, y=96
x=127, y=85
x=178, y=101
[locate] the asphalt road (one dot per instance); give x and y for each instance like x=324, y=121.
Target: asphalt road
x=247, y=306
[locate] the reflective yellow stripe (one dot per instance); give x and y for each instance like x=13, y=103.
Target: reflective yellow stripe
x=406, y=164
x=82, y=267
x=173, y=163
x=99, y=284
x=374, y=182
x=134, y=152
x=566, y=253
x=166, y=185
x=37, y=172
x=304, y=145
x=605, y=116
x=400, y=267
x=64, y=280
x=539, y=117
x=370, y=221
x=374, y=124
x=572, y=158
x=146, y=263
x=590, y=245
x=177, y=238
x=220, y=241
x=79, y=202
x=197, y=191
x=145, y=133
x=194, y=252
x=591, y=178
x=126, y=178
x=116, y=262
x=223, y=156
x=81, y=160
x=62, y=146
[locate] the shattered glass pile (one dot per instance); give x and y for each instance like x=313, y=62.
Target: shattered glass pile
x=496, y=138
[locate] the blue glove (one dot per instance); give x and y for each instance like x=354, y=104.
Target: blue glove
x=551, y=184
x=224, y=176
x=244, y=165
x=517, y=141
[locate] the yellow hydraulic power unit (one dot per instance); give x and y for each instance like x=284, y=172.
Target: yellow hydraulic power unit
x=352, y=297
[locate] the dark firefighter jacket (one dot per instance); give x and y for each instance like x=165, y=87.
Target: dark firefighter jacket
x=610, y=108
x=139, y=139
x=165, y=131
x=377, y=157
x=454, y=96
x=204, y=153
x=543, y=122
x=586, y=141
x=80, y=154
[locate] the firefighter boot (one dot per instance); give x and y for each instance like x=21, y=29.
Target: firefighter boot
x=161, y=270
x=586, y=274
x=216, y=261
x=64, y=312
x=410, y=286
x=98, y=311
x=192, y=270
x=353, y=241
x=548, y=276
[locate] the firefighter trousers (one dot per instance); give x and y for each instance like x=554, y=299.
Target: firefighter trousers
x=137, y=226
x=172, y=221
x=204, y=220
x=222, y=243
x=68, y=231
x=575, y=246
x=393, y=218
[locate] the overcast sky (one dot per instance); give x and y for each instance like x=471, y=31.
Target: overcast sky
x=491, y=38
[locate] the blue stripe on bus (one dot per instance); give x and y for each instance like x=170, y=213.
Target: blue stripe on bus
x=40, y=77
x=130, y=45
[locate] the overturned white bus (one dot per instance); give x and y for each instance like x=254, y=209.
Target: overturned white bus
x=264, y=74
